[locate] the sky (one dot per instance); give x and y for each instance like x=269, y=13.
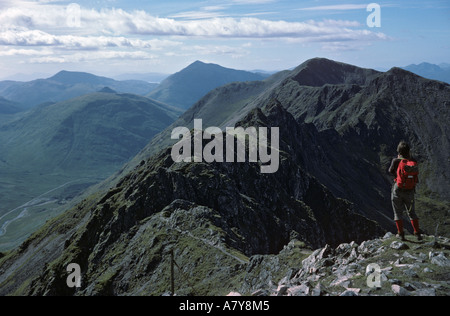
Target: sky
x=38, y=38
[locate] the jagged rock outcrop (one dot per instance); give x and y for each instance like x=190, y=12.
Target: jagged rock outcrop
x=375, y=267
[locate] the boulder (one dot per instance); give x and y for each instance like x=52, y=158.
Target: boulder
x=439, y=259
x=282, y=289
x=349, y=292
x=400, y=291
x=397, y=245
x=300, y=290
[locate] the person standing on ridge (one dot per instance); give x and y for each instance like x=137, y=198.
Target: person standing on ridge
x=406, y=171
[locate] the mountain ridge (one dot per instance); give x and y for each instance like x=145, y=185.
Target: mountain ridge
x=74, y=77
x=370, y=119
x=317, y=72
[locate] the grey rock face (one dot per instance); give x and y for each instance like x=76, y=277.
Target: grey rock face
x=377, y=269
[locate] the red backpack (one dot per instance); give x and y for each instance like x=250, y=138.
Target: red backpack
x=407, y=174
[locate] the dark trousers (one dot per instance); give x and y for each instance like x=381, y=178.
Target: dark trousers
x=403, y=200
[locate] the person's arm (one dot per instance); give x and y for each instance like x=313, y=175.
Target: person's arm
x=394, y=166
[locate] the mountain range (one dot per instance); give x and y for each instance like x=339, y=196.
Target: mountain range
x=66, y=85
x=431, y=71
x=339, y=128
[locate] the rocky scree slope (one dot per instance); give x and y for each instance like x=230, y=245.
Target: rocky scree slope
x=378, y=267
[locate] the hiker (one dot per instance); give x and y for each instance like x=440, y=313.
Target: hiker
x=406, y=171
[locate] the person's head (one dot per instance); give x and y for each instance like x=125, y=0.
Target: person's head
x=403, y=149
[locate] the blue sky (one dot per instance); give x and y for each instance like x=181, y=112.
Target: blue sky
x=111, y=37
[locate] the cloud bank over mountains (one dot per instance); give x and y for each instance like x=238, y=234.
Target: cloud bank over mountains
x=50, y=32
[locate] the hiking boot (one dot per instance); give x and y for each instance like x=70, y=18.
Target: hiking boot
x=418, y=236
x=401, y=236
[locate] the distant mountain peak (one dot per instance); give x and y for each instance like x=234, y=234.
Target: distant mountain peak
x=320, y=62
x=431, y=71
x=71, y=77
x=399, y=71
x=65, y=73
x=187, y=86
x=107, y=90
x=200, y=65
x=426, y=66
x=317, y=72
x=198, y=62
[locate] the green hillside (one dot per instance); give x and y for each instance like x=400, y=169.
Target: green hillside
x=8, y=107
x=69, y=146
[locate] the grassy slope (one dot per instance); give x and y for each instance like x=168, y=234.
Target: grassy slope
x=75, y=143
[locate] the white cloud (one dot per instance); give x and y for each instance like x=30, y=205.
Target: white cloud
x=194, y=15
x=117, y=22
x=214, y=8
x=41, y=38
x=238, y=28
x=24, y=52
x=40, y=33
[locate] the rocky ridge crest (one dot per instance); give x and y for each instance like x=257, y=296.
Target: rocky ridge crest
x=379, y=267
